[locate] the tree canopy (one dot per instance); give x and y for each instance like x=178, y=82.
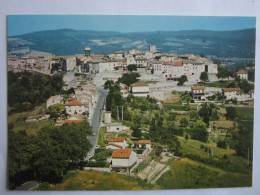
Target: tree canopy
x=132, y=67
x=47, y=155
x=182, y=79
x=26, y=90
x=204, y=76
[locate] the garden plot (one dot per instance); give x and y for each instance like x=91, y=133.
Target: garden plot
x=153, y=171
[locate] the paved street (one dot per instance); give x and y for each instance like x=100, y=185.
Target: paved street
x=96, y=119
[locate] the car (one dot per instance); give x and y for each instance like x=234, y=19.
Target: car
x=97, y=146
x=90, y=155
x=93, y=134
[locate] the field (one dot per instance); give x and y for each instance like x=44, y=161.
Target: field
x=93, y=180
x=186, y=174
x=200, y=170
x=245, y=112
x=18, y=119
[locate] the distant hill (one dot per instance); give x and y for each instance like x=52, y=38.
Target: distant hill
x=240, y=43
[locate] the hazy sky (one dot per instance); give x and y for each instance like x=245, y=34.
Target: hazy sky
x=21, y=24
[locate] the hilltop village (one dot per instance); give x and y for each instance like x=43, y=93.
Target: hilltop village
x=150, y=112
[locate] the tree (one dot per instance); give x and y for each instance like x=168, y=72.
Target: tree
x=200, y=131
x=223, y=72
x=55, y=67
x=132, y=67
x=136, y=131
x=182, y=79
x=204, y=76
x=129, y=78
x=244, y=139
x=231, y=113
x=108, y=84
x=222, y=144
x=202, y=55
x=184, y=122
x=205, y=112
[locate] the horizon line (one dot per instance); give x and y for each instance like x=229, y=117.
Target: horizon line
x=129, y=31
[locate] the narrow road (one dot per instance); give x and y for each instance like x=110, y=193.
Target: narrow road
x=96, y=119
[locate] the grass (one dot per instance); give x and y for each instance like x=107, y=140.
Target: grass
x=93, y=180
x=187, y=174
x=220, y=84
x=101, y=134
x=235, y=164
x=18, y=119
x=245, y=112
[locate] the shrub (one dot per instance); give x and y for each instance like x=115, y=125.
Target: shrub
x=222, y=144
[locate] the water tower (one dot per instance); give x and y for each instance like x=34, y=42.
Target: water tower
x=87, y=51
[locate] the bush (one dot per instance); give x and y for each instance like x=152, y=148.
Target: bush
x=222, y=144
x=97, y=164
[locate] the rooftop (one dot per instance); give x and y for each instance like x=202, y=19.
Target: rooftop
x=198, y=87
x=116, y=139
x=178, y=63
x=144, y=141
x=121, y=153
x=241, y=72
x=138, y=84
x=231, y=89
x=74, y=103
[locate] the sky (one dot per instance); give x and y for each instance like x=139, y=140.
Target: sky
x=21, y=24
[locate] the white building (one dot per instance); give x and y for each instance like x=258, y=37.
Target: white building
x=114, y=127
x=76, y=107
x=231, y=93
x=147, y=144
x=123, y=159
x=71, y=63
x=57, y=99
x=140, y=89
x=117, y=140
x=198, y=92
x=107, y=117
x=242, y=74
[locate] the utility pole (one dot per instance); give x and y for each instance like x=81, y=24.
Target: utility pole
x=117, y=113
x=122, y=113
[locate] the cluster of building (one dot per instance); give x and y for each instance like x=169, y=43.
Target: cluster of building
x=168, y=66
x=123, y=158
x=79, y=105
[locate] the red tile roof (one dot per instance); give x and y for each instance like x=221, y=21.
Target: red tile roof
x=74, y=103
x=144, y=141
x=178, y=63
x=116, y=139
x=231, y=89
x=122, y=153
x=241, y=72
x=198, y=87
x=165, y=63
x=138, y=84
x=252, y=90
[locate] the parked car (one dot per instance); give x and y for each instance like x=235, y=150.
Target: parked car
x=97, y=146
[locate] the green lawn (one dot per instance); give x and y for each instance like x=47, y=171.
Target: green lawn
x=220, y=84
x=101, y=134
